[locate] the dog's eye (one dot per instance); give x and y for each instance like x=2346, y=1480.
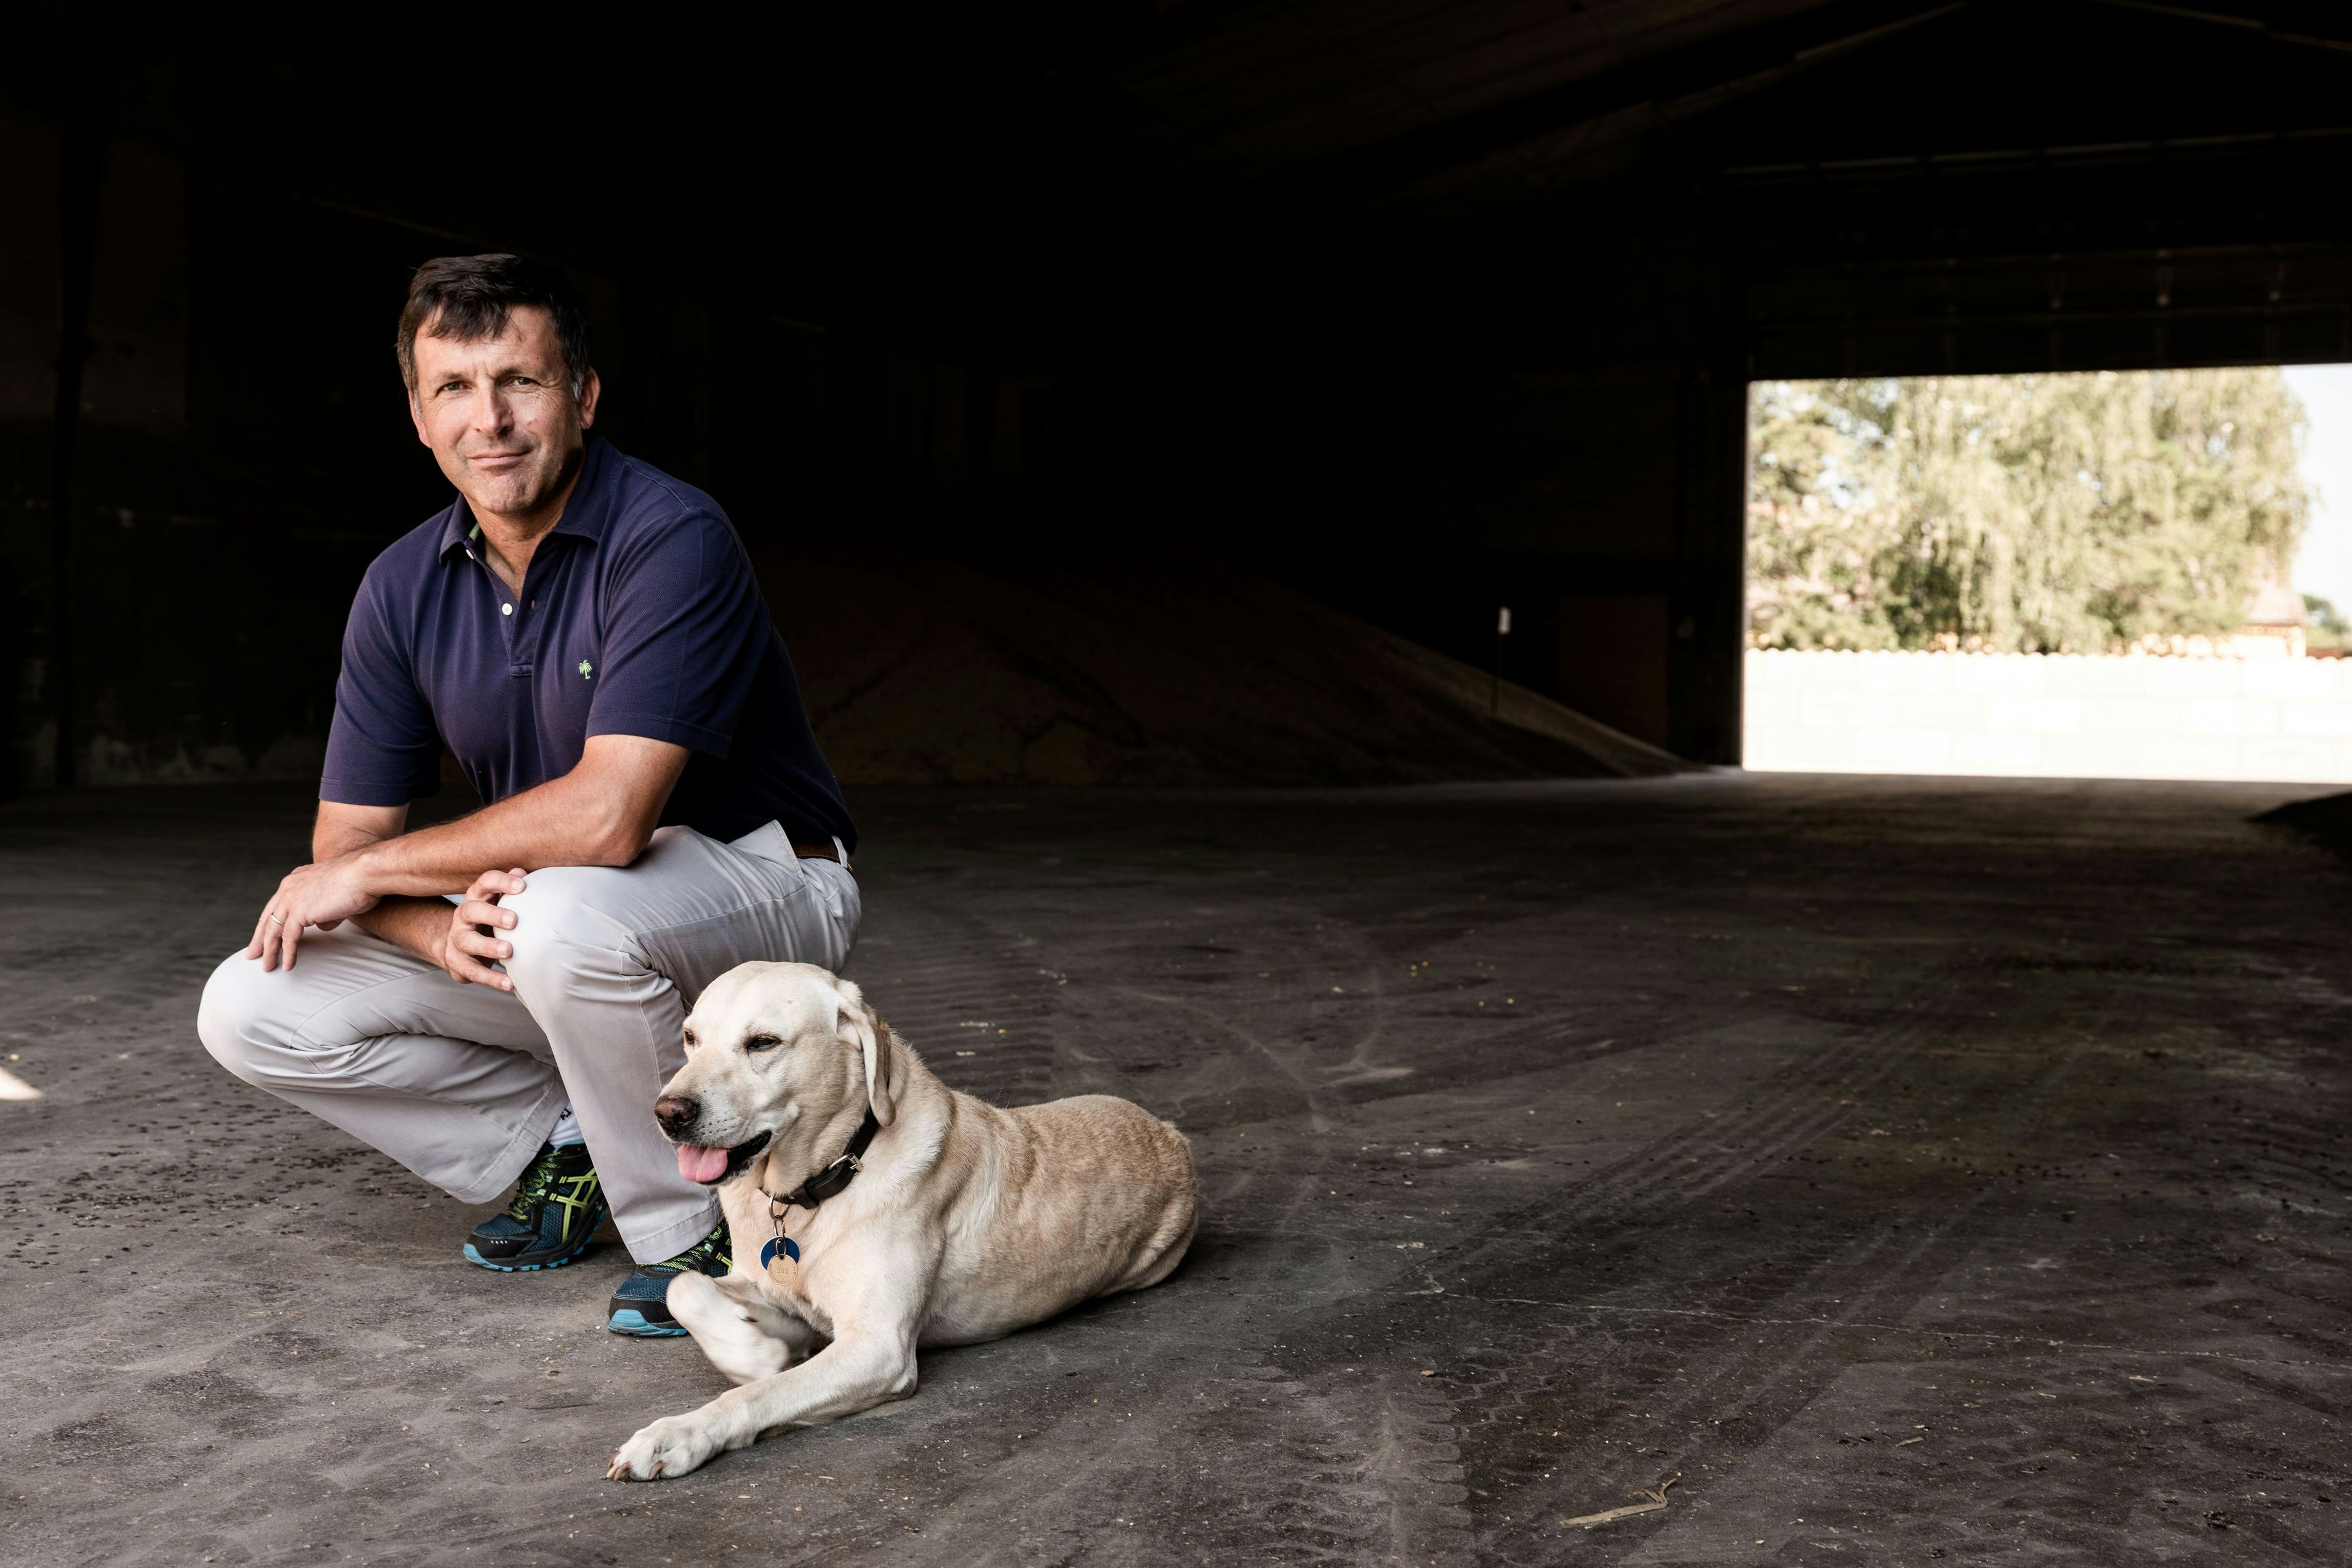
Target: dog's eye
x=690, y=1041
x=762, y=1043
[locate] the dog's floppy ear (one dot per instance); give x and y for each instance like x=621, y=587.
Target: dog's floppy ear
x=860, y=1022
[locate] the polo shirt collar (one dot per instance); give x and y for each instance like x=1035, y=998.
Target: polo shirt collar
x=590, y=509
x=585, y=515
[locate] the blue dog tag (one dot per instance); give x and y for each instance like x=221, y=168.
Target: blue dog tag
x=783, y=1244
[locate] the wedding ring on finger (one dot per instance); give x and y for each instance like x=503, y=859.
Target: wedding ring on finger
x=277, y=920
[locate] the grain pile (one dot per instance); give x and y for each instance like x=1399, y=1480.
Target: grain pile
x=2326, y=821
x=1164, y=672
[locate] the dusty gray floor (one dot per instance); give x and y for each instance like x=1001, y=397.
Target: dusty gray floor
x=1917, y=1169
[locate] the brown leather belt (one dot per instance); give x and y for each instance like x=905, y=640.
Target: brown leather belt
x=816, y=852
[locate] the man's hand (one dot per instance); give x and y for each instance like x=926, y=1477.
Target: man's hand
x=474, y=942
x=324, y=894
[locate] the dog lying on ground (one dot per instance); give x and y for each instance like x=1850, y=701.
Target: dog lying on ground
x=960, y=1222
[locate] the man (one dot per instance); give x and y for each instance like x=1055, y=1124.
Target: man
x=584, y=634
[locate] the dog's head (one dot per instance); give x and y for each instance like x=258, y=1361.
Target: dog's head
x=781, y=1059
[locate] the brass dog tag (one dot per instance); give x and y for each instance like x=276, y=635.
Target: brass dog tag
x=781, y=1258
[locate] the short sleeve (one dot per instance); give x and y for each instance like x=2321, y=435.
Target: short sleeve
x=683, y=631
x=382, y=749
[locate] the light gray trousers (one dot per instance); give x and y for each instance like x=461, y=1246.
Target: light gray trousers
x=462, y=1083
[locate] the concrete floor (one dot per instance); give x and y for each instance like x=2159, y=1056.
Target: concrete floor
x=1917, y=1169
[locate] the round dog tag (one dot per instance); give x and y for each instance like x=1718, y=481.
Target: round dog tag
x=784, y=1245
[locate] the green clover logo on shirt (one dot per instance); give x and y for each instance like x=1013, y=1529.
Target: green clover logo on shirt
x=587, y=671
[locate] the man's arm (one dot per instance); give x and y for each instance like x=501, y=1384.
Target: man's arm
x=341, y=829
x=601, y=813
x=419, y=924
x=428, y=927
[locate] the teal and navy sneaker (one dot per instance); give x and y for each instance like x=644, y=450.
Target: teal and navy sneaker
x=556, y=1209
x=641, y=1306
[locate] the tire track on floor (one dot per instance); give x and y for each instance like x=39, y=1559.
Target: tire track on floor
x=1810, y=1098
x=971, y=1001
x=1750, y=1362
x=1654, y=1186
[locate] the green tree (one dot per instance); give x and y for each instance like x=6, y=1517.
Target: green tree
x=2030, y=514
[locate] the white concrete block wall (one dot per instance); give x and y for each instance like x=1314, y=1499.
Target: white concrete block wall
x=2057, y=716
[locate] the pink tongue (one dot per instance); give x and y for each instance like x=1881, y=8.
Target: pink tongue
x=698, y=1163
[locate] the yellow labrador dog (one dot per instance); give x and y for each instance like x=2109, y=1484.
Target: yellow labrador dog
x=921, y=1216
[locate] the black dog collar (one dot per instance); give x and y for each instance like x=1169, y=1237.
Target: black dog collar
x=829, y=1182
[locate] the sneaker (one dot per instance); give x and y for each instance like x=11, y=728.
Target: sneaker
x=557, y=1206
x=641, y=1306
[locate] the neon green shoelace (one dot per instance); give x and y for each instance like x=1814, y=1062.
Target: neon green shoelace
x=711, y=1248
x=541, y=1184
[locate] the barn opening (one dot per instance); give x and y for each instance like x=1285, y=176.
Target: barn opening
x=2100, y=574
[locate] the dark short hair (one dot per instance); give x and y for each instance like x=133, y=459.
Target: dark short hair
x=469, y=297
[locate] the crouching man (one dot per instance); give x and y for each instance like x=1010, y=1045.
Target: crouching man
x=584, y=634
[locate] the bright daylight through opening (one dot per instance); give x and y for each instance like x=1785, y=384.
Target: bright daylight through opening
x=2113, y=574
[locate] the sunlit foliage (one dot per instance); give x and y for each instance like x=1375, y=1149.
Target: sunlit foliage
x=2033, y=514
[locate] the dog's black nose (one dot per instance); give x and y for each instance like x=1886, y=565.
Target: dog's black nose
x=676, y=1113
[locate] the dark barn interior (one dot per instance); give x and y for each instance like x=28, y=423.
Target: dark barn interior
x=1171, y=395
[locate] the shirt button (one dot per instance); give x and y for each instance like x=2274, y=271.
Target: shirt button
x=506, y=609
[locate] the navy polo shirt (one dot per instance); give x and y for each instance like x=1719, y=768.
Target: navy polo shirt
x=639, y=616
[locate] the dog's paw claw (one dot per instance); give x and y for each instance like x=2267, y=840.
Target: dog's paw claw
x=659, y=1450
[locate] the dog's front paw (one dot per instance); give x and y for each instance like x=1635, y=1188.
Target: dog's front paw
x=670, y=1446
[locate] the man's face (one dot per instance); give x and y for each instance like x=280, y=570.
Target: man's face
x=500, y=416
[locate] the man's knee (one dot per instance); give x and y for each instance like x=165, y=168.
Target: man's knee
x=232, y=1018
x=566, y=917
